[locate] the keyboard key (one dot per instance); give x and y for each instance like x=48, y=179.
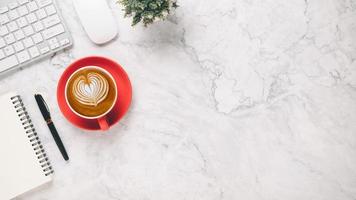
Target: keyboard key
x=38, y=26
x=19, y=46
x=54, y=46
x=37, y=38
x=12, y=26
x=22, y=10
x=31, y=18
x=22, y=22
x=65, y=41
x=41, y=13
x=34, y=52
x=13, y=14
x=28, y=42
x=32, y=6
x=13, y=5
x=23, y=56
x=19, y=35
x=8, y=63
x=2, y=43
x=51, y=21
x=52, y=41
x=43, y=3
x=4, y=9
x=44, y=50
x=9, y=50
x=4, y=19
x=2, y=55
x=10, y=38
x=3, y=30
x=28, y=30
x=50, y=10
x=53, y=31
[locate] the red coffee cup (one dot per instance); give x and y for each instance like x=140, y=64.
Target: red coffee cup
x=117, y=110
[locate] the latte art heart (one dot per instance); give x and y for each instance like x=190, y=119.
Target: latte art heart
x=91, y=89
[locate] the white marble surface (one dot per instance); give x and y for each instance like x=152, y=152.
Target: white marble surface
x=251, y=99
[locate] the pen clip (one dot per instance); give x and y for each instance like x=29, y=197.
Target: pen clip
x=44, y=103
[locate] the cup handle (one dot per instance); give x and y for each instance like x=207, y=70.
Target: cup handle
x=103, y=123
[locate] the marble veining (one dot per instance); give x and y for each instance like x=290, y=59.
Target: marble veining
x=251, y=99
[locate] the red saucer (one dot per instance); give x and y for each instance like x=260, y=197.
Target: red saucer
x=124, y=92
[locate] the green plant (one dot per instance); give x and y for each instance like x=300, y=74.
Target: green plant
x=147, y=11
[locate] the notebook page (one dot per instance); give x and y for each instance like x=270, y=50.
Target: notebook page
x=20, y=170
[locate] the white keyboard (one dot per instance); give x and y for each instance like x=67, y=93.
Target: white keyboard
x=29, y=31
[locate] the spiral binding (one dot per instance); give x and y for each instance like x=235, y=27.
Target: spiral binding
x=32, y=135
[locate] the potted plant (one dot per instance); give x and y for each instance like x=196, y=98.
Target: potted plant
x=148, y=11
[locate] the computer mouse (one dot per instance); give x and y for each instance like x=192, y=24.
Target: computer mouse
x=97, y=20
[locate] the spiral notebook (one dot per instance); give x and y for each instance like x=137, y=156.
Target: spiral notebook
x=23, y=161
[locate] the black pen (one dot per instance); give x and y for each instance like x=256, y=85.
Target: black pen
x=47, y=117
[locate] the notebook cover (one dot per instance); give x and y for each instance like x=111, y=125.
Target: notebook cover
x=20, y=169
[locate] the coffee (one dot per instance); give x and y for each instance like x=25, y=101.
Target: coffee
x=91, y=91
